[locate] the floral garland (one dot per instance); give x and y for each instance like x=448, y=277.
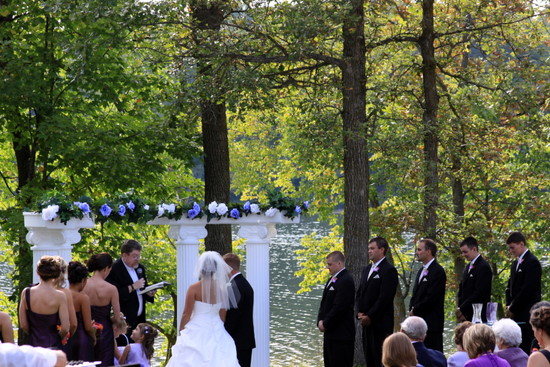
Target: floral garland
x=129, y=208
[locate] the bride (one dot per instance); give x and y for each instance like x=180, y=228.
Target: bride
x=203, y=341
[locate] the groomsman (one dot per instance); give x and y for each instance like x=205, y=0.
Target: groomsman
x=475, y=286
x=374, y=301
x=336, y=316
x=239, y=321
x=428, y=299
x=524, y=286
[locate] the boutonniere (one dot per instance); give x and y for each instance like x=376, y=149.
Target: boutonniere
x=376, y=269
x=425, y=273
x=334, y=280
x=471, y=267
x=521, y=260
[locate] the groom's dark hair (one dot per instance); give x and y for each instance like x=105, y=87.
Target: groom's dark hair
x=233, y=260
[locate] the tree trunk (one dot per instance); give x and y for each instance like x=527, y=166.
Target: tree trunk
x=429, y=120
x=214, y=132
x=356, y=169
x=216, y=170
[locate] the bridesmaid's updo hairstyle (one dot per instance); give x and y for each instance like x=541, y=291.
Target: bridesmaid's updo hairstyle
x=540, y=319
x=60, y=282
x=48, y=268
x=99, y=262
x=77, y=272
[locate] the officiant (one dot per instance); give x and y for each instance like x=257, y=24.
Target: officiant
x=128, y=275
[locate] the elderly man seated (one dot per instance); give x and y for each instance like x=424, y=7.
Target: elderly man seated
x=416, y=328
x=508, y=339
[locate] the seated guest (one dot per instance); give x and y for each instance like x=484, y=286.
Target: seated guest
x=416, y=328
x=43, y=310
x=6, y=328
x=540, y=322
x=479, y=343
x=460, y=357
x=397, y=351
x=508, y=339
x=12, y=355
x=535, y=344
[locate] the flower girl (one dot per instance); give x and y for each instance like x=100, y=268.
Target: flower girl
x=142, y=350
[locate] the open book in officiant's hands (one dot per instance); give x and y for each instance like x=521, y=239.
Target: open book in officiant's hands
x=153, y=287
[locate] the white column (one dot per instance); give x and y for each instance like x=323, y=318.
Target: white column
x=187, y=238
x=258, y=237
x=53, y=238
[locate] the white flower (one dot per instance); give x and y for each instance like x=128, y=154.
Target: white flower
x=254, y=208
x=161, y=210
x=170, y=208
x=271, y=212
x=212, y=207
x=146, y=207
x=221, y=209
x=50, y=212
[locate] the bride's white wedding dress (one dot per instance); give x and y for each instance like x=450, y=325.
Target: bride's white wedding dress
x=204, y=342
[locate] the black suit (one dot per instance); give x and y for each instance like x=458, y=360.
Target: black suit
x=239, y=321
x=522, y=292
x=129, y=303
x=429, y=357
x=475, y=287
x=336, y=312
x=375, y=299
x=428, y=302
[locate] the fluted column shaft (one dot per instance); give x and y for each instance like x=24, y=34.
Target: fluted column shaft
x=187, y=238
x=258, y=237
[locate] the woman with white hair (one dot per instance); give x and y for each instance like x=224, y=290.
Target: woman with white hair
x=508, y=339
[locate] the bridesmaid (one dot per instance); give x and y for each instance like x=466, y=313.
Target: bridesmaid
x=43, y=311
x=81, y=344
x=60, y=286
x=103, y=296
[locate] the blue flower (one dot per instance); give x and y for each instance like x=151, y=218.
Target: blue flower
x=298, y=209
x=105, y=210
x=131, y=205
x=84, y=207
x=246, y=206
x=121, y=210
x=306, y=205
x=235, y=213
x=197, y=208
x=192, y=213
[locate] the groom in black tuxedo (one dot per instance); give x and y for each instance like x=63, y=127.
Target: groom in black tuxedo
x=374, y=300
x=239, y=321
x=128, y=275
x=475, y=286
x=524, y=286
x=336, y=316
